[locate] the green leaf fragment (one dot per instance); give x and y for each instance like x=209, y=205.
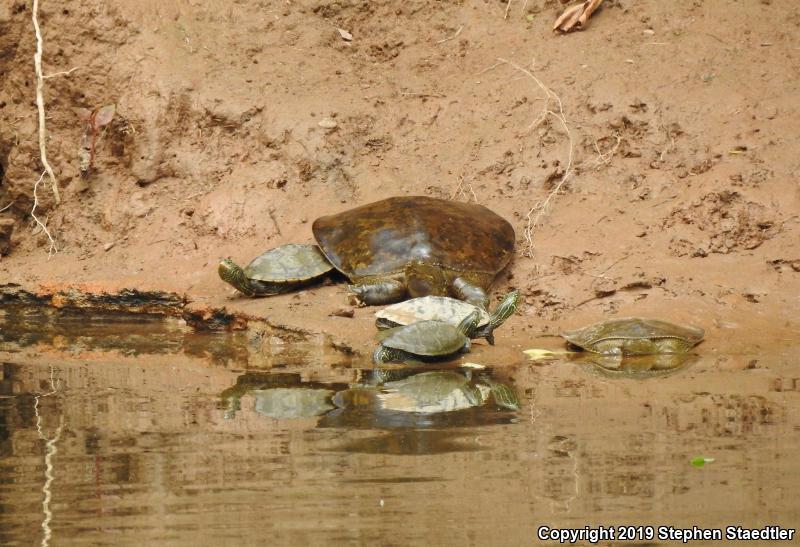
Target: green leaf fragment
x=700, y=461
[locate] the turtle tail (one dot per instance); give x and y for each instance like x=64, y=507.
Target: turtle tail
x=234, y=275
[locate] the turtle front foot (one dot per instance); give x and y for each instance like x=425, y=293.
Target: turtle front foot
x=385, y=292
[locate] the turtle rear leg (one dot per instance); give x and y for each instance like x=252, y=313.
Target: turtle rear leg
x=372, y=294
x=382, y=354
x=466, y=291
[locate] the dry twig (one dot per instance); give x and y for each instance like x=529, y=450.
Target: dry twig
x=462, y=189
x=575, y=18
x=540, y=208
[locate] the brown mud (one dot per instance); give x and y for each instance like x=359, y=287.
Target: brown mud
x=238, y=124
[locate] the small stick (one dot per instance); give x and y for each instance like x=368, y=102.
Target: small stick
x=443, y=40
x=6, y=207
x=37, y=62
x=62, y=73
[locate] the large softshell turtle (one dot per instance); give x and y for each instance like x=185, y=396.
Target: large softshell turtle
x=635, y=336
x=416, y=246
x=276, y=271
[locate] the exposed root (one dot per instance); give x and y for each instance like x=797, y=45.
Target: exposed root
x=37, y=61
x=52, y=249
x=540, y=208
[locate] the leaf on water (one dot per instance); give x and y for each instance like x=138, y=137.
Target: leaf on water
x=575, y=18
x=700, y=461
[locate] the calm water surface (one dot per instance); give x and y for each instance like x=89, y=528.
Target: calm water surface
x=141, y=433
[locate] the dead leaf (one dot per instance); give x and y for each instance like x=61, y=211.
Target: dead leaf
x=346, y=36
x=104, y=115
x=575, y=18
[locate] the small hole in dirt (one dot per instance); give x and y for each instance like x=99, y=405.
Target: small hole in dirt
x=65, y=11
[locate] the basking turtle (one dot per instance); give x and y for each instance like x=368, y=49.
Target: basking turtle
x=449, y=310
x=424, y=340
x=278, y=270
x=416, y=246
x=635, y=336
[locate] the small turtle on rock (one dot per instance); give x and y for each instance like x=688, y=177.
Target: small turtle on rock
x=276, y=271
x=449, y=310
x=425, y=340
x=635, y=336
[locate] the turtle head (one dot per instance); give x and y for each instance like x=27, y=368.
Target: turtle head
x=504, y=310
x=469, y=324
x=234, y=275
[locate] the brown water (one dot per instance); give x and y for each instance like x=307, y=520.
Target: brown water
x=145, y=434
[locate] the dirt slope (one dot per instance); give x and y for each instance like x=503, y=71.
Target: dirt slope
x=682, y=199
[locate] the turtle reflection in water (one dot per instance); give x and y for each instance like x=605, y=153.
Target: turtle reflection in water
x=280, y=395
x=425, y=340
x=635, y=336
x=449, y=310
x=428, y=393
x=635, y=366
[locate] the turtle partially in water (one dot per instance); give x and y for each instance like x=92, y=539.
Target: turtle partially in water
x=276, y=271
x=449, y=310
x=416, y=246
x=425, y=340
x=635, y=336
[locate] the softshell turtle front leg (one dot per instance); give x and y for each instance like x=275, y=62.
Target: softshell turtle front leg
x=385, y=291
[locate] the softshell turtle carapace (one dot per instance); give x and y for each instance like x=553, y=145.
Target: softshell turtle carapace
x=635, y=336
x=416, y=246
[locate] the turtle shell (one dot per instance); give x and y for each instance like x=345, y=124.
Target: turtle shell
x=289, y=263
x=426, y=308
x=383, y=237
x=635, y=336
x=426, y=338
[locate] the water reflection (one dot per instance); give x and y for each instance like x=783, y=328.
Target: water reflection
x=182, y=450
x=380, y=399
